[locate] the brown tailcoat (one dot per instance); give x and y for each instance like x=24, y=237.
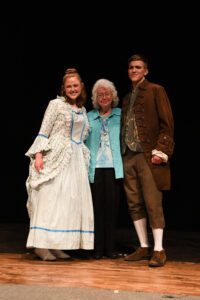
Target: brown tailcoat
x=155, y=126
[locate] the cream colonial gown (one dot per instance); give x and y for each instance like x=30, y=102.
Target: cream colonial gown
x=59, y=198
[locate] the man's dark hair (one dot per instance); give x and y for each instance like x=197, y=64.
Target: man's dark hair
x=138, y=57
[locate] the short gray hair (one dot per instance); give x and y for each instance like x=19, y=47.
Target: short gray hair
x=108, y=85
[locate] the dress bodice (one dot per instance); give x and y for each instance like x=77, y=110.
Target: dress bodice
x=78, y=125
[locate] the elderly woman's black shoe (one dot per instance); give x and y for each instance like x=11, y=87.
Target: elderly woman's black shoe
x=97, y=256
x=115, y=255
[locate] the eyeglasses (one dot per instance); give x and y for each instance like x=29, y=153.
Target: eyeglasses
x=101, y=96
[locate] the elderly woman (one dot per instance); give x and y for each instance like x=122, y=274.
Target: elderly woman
x=106, y=170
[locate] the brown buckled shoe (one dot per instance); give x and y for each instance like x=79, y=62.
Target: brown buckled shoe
x=139, y=254
x=158, y=259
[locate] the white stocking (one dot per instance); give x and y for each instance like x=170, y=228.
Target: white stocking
x=141, y=229
x=158, y=239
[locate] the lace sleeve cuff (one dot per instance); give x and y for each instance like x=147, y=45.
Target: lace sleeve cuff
x=41, y=144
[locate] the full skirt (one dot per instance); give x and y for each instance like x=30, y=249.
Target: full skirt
x=61, y=210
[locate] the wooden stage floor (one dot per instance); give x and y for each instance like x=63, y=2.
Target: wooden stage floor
x=180, y=275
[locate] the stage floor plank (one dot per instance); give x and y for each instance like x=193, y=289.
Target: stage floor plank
x=179, y=278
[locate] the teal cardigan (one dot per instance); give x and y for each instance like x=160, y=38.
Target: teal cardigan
x=92, y=142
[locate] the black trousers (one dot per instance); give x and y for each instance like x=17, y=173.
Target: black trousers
x=106, y=197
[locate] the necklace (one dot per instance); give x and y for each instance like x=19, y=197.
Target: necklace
x=104, y=126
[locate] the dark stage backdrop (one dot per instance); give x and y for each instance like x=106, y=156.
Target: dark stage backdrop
x=35, y=52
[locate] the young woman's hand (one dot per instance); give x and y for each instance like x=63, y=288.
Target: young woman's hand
x=39, y=164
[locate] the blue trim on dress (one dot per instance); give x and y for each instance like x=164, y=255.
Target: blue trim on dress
x=61, y=230
x=43, y=135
